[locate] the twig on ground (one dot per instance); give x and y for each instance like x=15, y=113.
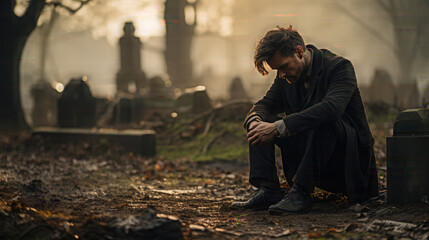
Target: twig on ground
x=208, y=125
x=207, y=146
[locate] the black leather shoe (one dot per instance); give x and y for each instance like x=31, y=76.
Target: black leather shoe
x=295, y=202
x=263, y=199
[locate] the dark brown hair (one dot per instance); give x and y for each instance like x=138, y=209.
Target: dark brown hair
x=281, y=39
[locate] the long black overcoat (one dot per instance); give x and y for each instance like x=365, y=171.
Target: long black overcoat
x=332, y=95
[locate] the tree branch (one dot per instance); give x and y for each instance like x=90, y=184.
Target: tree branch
x=28, y=21
x=384, y=6
x=366, y=26
x=69, y=9
x=195, y=13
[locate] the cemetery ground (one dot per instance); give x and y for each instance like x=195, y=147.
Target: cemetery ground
x=98, y=191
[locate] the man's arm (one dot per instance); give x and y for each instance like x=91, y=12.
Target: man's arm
x=332, y=107
x=270, y=104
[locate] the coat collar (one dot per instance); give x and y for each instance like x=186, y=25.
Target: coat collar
x=316, y=69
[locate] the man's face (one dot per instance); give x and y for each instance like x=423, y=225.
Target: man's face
x=289, y=68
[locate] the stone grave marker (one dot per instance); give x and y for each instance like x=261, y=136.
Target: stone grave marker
x=76, y=105
x=408, y=158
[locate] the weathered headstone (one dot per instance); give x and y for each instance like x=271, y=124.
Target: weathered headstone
x=408, y=96
x=382, y=88
x=76, y=106
x=160, y=88
x=159, y=102
x=124, y=111
x=194, y=100
x=425, y=99
x=407, y=158
x=130, y=73
x=44, y=111
x=236, y=89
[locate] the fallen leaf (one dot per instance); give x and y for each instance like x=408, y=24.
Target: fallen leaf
x=314, y=235
x=334, y=230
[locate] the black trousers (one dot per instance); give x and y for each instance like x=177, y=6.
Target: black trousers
x=310, y=158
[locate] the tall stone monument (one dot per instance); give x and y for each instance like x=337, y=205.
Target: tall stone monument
x=130, y=74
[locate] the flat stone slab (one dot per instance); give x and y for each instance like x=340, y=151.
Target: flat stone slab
x=141, y=142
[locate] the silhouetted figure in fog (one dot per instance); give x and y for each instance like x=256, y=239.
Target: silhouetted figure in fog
x=324, y=139
x=130, y=72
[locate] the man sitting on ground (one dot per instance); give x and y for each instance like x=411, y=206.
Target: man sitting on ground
x=324, y=137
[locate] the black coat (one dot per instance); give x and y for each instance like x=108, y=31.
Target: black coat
x=332, y=95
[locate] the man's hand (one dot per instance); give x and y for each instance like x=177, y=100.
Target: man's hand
x=261, y=132
x=253, y=124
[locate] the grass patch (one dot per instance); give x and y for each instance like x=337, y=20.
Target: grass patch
x=224, y=141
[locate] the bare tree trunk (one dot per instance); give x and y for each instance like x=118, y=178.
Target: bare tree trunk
x=178, y=43
x=14, y=32
x=409, y=20
x=46, y=33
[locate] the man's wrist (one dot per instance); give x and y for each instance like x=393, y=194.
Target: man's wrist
x=281, y=129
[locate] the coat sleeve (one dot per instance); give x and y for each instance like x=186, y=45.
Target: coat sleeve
x=331, y=108
x=269, y=105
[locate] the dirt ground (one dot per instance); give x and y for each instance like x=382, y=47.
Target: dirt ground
x=94, y=191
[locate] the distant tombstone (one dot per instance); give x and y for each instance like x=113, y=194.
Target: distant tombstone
x=425, y=99
x=382, y=88
x=76, y=106
x=130, y=75
x=44, y=111
x=160, y=88
x=236, y=89
x=124, y=111
x=408, y=96
x=194, y=100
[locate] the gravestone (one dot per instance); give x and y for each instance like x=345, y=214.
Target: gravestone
x=124, y=111
x=130, y=78
x=159, y=102
x=194, y=100
x=408, y=95
x=382, y=88
x=44, y=112
x=425, y=99
x=160, y=88
x=407, y=158
x=236, y=89
x=76, y=105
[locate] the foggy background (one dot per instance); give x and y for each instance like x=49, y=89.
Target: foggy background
x=226, y=34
